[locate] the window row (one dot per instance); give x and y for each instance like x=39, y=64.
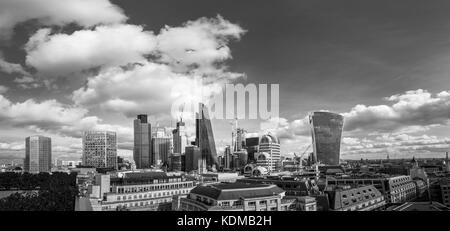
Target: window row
x=152, y=195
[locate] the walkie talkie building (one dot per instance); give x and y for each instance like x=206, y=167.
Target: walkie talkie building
x=326, y=131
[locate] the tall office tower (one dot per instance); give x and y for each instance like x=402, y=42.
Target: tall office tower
x=38, y=154
x=142, y=142
x=205, y=137
x=100, y=149
x=159, y=132
x=193, y=154
x=179, y=138
x=270, y=145
x=162, y=150
x=176, y=162
x=242, y=156
x=326, y=131
x=240, y=139
x=251, y=145
x=227, y=158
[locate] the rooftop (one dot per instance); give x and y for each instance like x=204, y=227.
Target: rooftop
x=420, y=206
x=235, y=191
x=141, y=178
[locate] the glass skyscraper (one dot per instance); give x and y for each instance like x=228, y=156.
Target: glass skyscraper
x=326, y=131
x=205, y=137
x=179, y=138
x=192, y=156
x=252, y=145
x=142, y=142
x=161, y=150
x=38, y=154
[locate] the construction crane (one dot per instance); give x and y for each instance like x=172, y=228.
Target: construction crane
x=299, y=158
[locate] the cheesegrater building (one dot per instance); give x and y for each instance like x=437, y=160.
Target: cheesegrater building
x=205, y=137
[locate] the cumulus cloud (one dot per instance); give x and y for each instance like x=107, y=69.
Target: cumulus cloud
x=413, y=109
x=28, y=82
x=86, y=13
x=148, y=87
x=198, y=47
x=53, y=116
x=11, y=68
x=13, y=146
x=186, y=64
x=284, y=129
x=395, y=144
x=104, y=46
x=44, y=113
x=201, y=43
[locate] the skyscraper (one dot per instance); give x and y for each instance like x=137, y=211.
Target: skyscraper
x=193, y=154
x=38, y=154
x=179, y=138
x=100, y=149
x=240, y=139
x=205, y=137
x=227, y=157
x=326, y=131
x=142, y=142
x=161, y=150
x=252, y=145
x=270, y=146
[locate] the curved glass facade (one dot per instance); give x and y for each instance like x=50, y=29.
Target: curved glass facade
x=326, y=131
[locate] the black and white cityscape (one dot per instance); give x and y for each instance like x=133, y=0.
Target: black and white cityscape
x=213, y=105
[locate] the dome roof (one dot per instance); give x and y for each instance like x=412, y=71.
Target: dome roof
x=269, y=138
x=262, y=156
x=259, y=170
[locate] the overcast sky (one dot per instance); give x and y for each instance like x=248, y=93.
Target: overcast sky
x=95, y=64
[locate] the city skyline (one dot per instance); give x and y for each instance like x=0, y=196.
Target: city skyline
x=381, y=66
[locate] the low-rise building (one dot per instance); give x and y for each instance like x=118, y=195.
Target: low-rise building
x=445, y=191
x=148, y=191
x=395, y=189
x=294, y=186
x=363, y=198
x=228, y=177
x=307, y=203
x=419, y=206
x=237, y=197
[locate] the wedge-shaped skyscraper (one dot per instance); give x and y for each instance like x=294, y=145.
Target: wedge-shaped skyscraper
x=205, y=137
x=326, y=131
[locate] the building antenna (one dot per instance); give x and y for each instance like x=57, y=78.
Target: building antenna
x=236, y=131
x=232, y=136
x=182, y=110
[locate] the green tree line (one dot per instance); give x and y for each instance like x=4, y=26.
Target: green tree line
x=45, y=192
